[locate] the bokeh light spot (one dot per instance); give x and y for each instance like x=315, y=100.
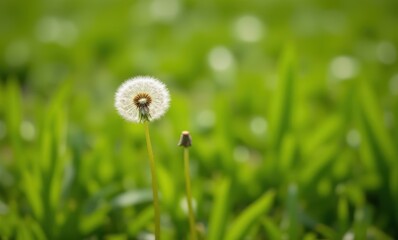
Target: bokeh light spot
x=349, y=236
x=353, y=138
x=165, y=10
x=386, y=52
x=27, y=131
x=241, y=154
x=51, y=29
x=146, y=236
x=394, y=85
x=220, y=58
x=344, y=67
x=205, y=118
x=248, y=28
x=258, y=125
x=389, y=119
x=184, y=205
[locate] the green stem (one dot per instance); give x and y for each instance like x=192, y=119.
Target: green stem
x=189, y=195
x=154, y=181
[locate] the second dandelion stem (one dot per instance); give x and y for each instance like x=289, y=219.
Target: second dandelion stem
x=154, y=182
x=189, y=195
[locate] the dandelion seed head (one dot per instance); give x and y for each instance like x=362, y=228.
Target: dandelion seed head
x=141, y=99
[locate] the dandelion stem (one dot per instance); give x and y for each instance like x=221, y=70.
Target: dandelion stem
x=154, y=181
x=189, y=195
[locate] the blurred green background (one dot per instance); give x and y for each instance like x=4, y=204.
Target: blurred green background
x=292, y=107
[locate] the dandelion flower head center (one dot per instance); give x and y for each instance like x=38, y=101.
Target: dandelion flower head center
x=142, y=100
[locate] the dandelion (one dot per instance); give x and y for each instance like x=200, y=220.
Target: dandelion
x=186, y=142
x=141, y=100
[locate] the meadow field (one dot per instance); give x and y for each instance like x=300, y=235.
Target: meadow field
x=292, y=107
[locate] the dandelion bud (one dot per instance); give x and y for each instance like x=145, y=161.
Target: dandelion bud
x=185, y=139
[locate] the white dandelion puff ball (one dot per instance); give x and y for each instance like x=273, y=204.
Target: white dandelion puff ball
x=141, y=99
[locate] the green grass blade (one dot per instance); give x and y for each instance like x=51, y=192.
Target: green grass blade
x=13, y=116
x=292, y=214
x=343, y=215
x=326, y=132
x=33, y=188
x=131, y=198
x=380, y=149
x=287, y=156
x=281, y=114
x=374, y=117
x=250, y=216
x=362, y=220
x=140, y=221
x=272, y=230
x=314, y=170
x=219, y=214
x=167, y=188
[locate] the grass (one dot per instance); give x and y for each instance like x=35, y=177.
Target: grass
x=295, y=138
